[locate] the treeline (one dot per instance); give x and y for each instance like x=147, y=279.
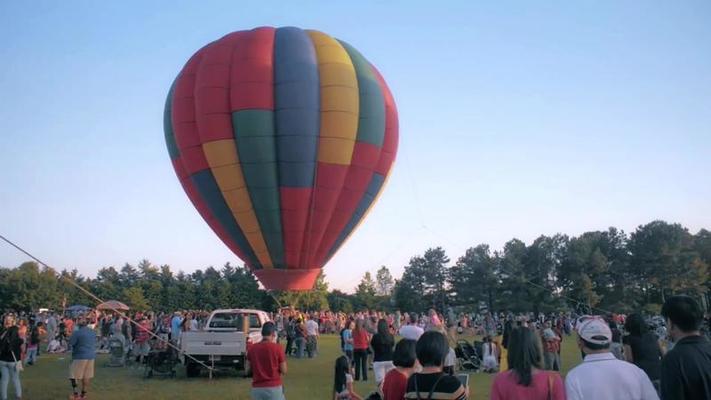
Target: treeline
x=602, y=270
x=143, y=287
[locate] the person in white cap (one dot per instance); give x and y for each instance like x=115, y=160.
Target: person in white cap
x=601, y=375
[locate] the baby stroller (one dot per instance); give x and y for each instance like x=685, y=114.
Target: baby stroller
x=467, y=355
x=117, y=352
x=479, y=348
x=161, y=360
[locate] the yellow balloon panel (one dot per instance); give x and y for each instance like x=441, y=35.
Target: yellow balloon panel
x=247, y=221
x=220, y=152
x=229, y=177
x=338, y=74
x=335, y=150
x=238, y=200
x=339, y=124
x=339, y=98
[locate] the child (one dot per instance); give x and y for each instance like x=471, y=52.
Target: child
x=347, y=339
x=490, y=360
x=343, y=381
x=449, y=362
x=451, y=359
x=55, y=346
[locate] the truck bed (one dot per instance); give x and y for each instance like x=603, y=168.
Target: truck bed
x=213, y=343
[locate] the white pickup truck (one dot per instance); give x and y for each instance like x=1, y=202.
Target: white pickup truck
x=224, y=341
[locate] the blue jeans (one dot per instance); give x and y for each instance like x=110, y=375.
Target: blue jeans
x=31, y=355
x=551, y=361
x=300, y=344
x=268, y=393
x=311, y=346
x=9, y=370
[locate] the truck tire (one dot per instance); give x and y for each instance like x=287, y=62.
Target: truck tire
x=192, y=369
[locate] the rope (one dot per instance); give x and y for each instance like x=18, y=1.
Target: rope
x=274, y=298
x=99, y=301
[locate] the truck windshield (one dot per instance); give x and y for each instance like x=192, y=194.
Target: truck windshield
x=232, y=320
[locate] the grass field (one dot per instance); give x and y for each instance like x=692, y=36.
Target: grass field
x=307, y=379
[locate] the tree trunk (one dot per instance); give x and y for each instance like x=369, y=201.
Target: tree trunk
x=491, y=300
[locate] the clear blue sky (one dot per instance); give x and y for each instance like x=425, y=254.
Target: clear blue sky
x=516, y=119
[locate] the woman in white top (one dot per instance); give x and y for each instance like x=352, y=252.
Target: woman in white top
x=343, y=381
x=490, y=360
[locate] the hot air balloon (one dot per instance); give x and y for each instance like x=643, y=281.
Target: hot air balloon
x=282, y=138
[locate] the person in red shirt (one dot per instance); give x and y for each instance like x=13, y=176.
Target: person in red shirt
x=361, y=341
x=142, y=346
x=69, y=326
x=551, y=347
x=268, y=364
x=395, y=382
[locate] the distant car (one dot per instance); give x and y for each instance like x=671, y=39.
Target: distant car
x=224, y=342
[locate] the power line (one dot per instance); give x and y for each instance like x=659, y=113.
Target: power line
x=100, y=301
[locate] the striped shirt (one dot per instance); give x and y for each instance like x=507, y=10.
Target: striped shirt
x=446, y=387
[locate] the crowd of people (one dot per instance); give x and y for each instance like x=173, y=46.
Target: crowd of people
x=83, y=335
x=623, y=357
x=20, y=348
x=410, y=355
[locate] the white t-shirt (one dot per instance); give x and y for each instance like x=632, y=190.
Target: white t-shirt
x=345, y=394
x=602, y=376
x=53, y=346
x=490, y=358
x=412, y=332
x=451, y=358
x=311, y=328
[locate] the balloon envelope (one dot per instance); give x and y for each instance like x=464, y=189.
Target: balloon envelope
x=282, y=138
